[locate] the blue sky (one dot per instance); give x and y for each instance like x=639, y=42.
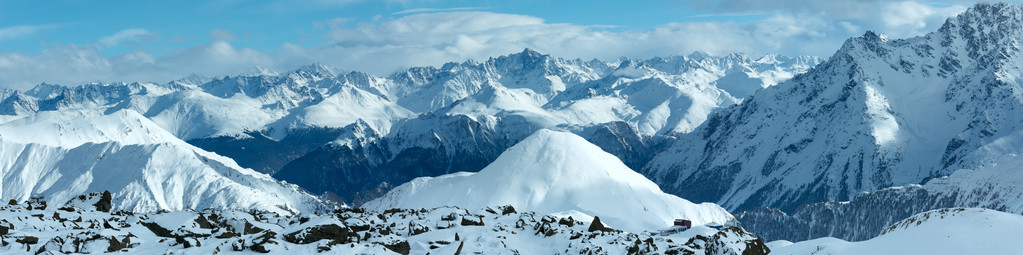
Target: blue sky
x=76, y=41
x=265, y=25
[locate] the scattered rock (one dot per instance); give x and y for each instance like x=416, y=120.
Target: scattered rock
x=104, y=203
x=333, y=232
x=203, y=222
x=228, y=234
x=416, y=228
x=400, y=247
x=28, y=240
x=250, y=229
x=567, y=221
x=116, y=245
x=596, y=225
x=507, y=210
x=157, y=229
x=459, y=250
x=472, y=221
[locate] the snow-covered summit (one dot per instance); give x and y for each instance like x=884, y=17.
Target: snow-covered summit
x=556, y=172
x=74, y=128
x=64, y=154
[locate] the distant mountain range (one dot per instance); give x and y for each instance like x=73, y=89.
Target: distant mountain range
x=350, y=136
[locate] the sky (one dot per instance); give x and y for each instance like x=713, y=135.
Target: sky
x=72, y=42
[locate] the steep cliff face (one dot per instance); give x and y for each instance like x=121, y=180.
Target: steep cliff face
x=879, y=113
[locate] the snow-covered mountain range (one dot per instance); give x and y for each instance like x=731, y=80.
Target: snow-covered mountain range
x=350, y=136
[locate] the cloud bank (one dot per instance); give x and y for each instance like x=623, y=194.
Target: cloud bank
x=423, y=37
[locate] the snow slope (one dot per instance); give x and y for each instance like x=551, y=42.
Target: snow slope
x=879, y=113
x=552, y=172
x=943, y=231
x=65, y=153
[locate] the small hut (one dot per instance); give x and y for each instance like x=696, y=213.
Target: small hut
x=37, y=198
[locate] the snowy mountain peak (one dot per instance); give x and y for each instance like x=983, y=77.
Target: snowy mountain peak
x=317, y=70
x=530, y=53
x=556, y=172
x=260, y=71
x=699, y=55
x=985, y=18
x=72, y=129
x=358, y=132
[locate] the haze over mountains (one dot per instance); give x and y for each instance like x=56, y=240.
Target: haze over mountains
x=797, y=148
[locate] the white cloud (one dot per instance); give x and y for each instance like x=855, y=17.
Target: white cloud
x=422, y=10
x=898, y=19
x=20, y=31
x=134, y=34
x=908, y=18
x=435, y=38
x=223, y=35
x=332, y=23
x=72, y=65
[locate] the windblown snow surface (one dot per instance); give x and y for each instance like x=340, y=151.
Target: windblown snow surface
x=556, y=172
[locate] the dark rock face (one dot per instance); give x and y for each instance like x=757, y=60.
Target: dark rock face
x=367, y=165
x=623, y=141
x=862, y=218
x=265, y=155
x=430, y=145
